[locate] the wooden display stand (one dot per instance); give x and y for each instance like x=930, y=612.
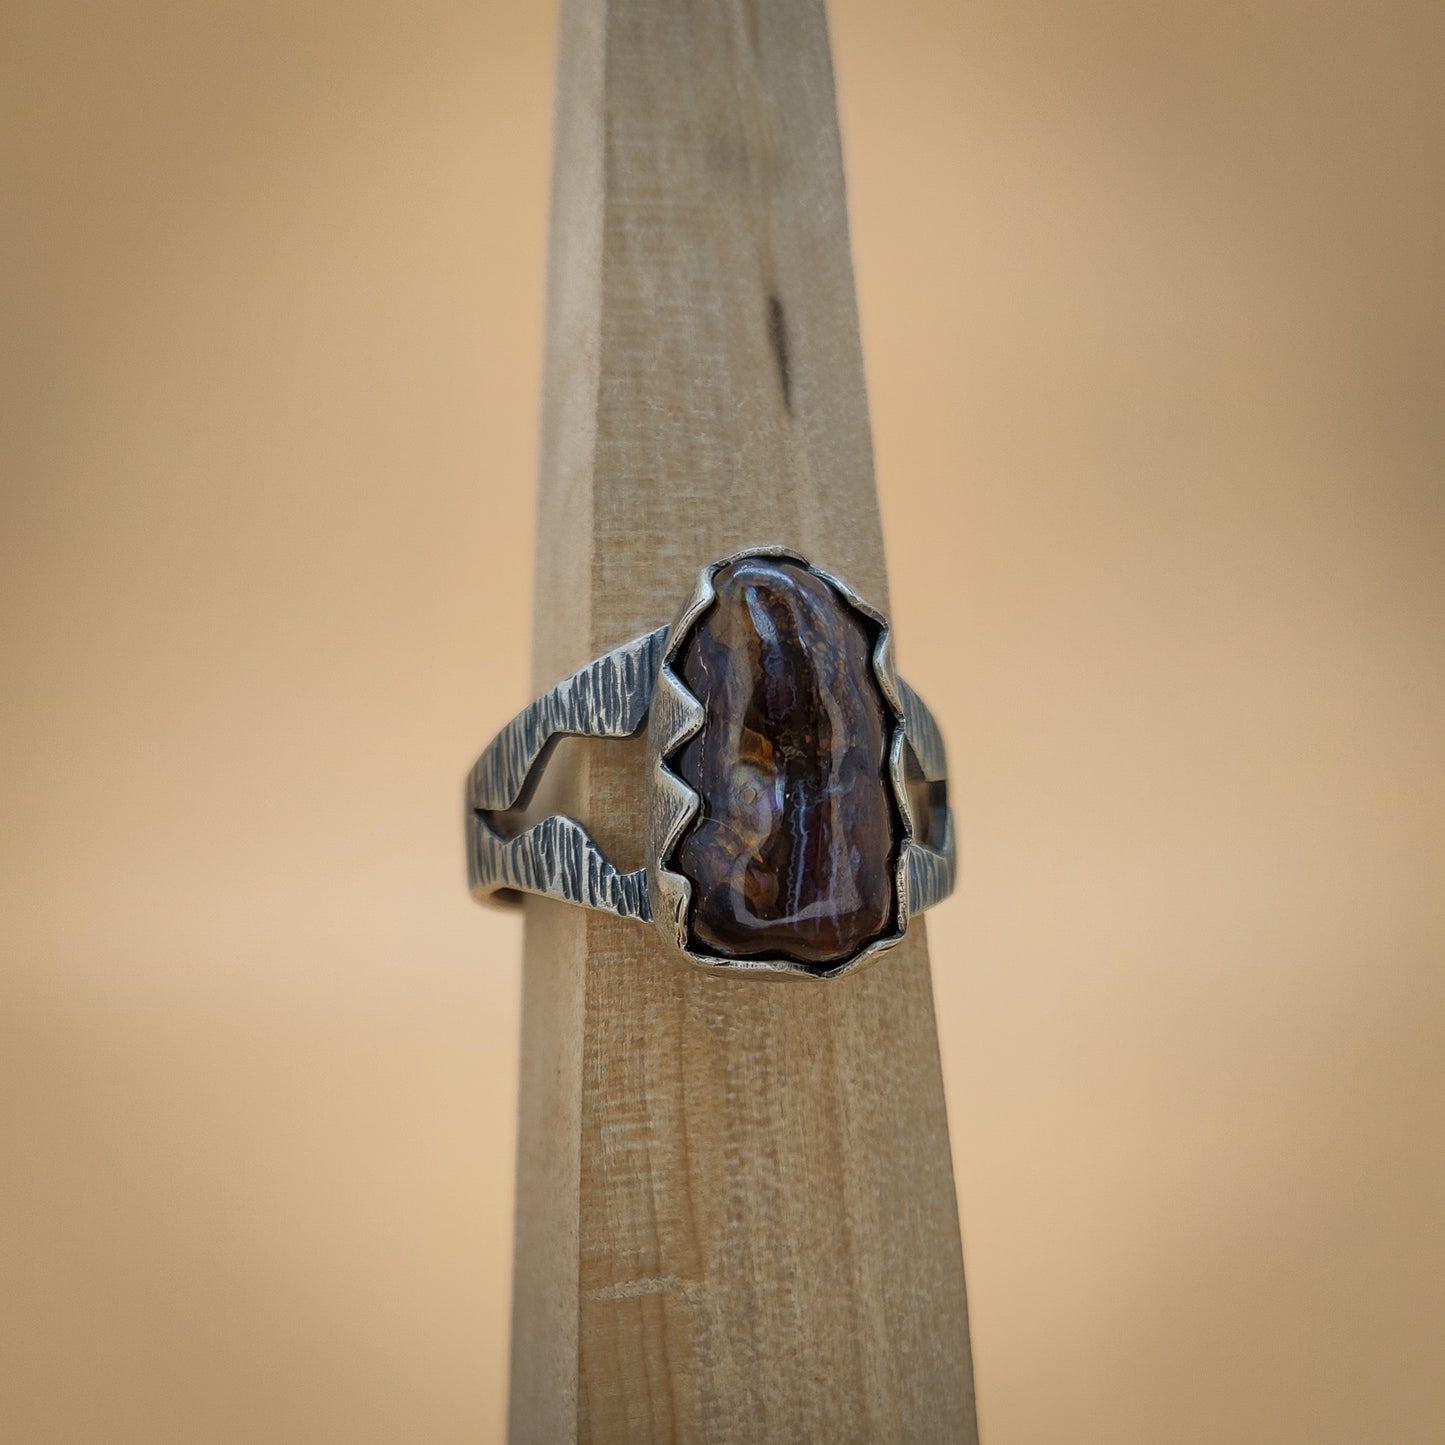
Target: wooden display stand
x=735, y=1209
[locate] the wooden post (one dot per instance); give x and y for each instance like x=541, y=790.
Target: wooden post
x=735, y=1210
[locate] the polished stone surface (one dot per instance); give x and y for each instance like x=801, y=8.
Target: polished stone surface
x=793, y=852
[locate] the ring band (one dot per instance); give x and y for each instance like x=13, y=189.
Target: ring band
x=798, y=814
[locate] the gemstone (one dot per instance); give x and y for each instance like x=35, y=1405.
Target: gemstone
x=792, y=852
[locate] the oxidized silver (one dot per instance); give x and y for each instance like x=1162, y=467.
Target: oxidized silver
x=613, y=697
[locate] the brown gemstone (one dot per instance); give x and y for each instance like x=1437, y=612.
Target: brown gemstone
x=792, y=853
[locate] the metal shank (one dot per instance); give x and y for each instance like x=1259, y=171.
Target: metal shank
x=558, y=857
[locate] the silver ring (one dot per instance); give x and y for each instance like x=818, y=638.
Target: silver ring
x=798, y=815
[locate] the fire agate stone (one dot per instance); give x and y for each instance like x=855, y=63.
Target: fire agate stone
x=792, y=852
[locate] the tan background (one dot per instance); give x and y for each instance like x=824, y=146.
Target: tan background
x=1154, y=317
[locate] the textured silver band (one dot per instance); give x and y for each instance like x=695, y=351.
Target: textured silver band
x=557, y=857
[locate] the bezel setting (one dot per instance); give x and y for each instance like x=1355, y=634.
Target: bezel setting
x=677, y=715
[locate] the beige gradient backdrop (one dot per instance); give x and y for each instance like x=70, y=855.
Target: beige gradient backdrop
x=1154, y=316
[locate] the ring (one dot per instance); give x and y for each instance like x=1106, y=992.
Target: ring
x=798, y=813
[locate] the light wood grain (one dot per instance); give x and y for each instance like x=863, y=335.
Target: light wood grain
x=735, y=1215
